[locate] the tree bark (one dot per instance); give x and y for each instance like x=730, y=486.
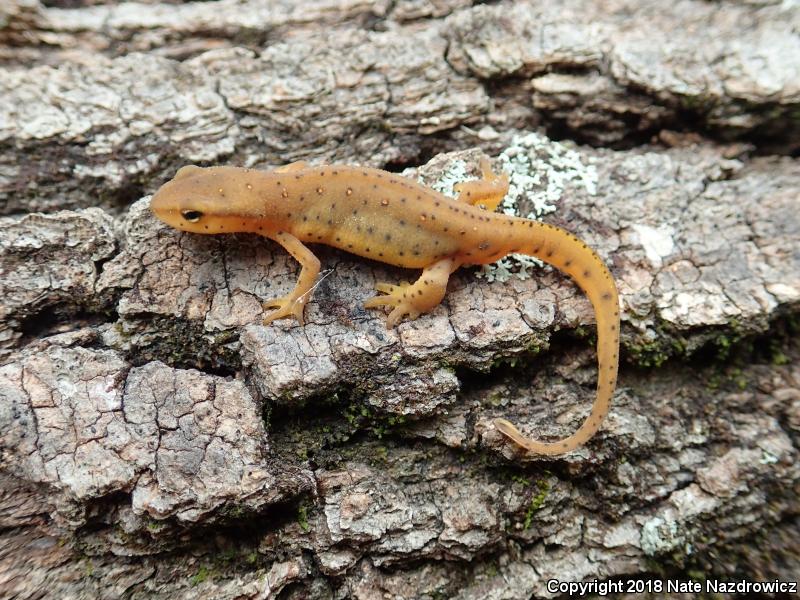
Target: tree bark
x=157, y=441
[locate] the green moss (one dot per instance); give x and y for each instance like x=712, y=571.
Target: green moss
x=181, y=343
x=361, y=416
x=723, y=344
x=679, y=346
x=585, y=333
x=776, y=355
x=669, y=344
x=543, y=489
x=698, y=103
x=302, y=517
x=779, y=358
x=652, y=352
x=738, y=378
x=234, y=511
x=532, y=348
x=202, y=574
x=538, y=491
x=735, y=343
x=713, y=381
x=351, y=417
x=227, y=555
x=523, y=481
x=153, y=525
x=535, y=346
x=378, y=428
x=495, y=399
x=649, y=354
x=696, y=575
x=508, y=361
x=727, y=377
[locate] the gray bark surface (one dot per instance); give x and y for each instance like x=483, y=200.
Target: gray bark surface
x=157, y=441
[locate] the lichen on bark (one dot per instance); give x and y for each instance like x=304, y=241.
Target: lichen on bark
x=156, y=440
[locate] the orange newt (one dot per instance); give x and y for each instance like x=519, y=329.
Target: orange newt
x=386, y=217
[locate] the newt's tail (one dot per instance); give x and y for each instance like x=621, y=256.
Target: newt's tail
x=567, y=253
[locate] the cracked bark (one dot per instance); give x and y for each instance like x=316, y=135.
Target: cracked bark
x=157, y=441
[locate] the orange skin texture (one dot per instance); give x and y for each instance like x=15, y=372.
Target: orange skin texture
x=386, y=217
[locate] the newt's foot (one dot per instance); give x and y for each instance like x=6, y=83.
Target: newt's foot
x=288, y=306
x=413, y=299
x=485, y=193
x=398, y=296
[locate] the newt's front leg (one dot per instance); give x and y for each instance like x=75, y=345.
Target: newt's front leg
x=413, y=299
x=292, y=304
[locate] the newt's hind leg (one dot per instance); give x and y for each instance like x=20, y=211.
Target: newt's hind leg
x=292, y=304
x=486, y=192
x=413, y=299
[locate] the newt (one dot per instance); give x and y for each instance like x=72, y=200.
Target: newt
x=382, y=216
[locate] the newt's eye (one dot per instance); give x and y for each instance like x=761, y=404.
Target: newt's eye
x=193, y=216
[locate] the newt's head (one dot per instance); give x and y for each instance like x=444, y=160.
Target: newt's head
x=211, y=200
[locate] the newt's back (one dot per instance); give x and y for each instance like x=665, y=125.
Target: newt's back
x=365, y=211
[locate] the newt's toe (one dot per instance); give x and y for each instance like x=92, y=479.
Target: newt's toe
x=396, y=296
x=398, y=313
x=287, y=307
